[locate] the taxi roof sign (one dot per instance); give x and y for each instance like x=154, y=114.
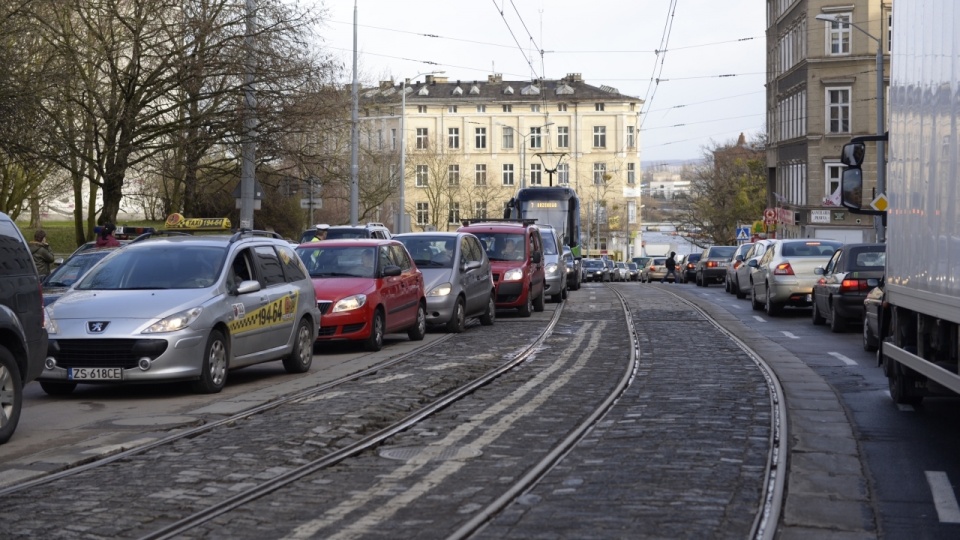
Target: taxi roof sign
x=179, y=223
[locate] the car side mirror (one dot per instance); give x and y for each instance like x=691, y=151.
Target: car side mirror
x=471, y=265
x=818, y=270
x=248, y=286
x=392, y=270
x=536, y=257
x=752, y=263
x=739, y=258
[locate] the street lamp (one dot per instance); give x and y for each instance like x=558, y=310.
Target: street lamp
x=881, y=158
x=403, y=147
x=523, y=150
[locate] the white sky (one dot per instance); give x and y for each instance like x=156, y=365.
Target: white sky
x=711, y=76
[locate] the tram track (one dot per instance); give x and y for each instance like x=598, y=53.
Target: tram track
x=387, y=418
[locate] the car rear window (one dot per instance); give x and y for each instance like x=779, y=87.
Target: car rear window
x=809, y=249
x=869, y=260
x=335, y=234
x=725, y=252
x=15, y=259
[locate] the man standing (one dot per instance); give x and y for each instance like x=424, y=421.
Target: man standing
x=42, y=256
x=671, y=265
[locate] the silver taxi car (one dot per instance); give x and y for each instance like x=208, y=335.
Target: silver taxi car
x=183, y=308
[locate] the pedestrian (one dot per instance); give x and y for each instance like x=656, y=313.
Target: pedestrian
x=42, y=256
x=671, y=265
x=106, y=237
x=320, y=232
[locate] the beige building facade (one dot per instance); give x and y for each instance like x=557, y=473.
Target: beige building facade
x=471, y=144
x=821, y=92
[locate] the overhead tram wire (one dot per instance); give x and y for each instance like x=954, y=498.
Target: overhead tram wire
x=655, y=76
x=504, y=17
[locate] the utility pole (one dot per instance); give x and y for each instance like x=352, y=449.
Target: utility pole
x=248, y=148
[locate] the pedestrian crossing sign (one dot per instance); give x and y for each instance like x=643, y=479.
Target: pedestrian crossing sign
x=743, y=233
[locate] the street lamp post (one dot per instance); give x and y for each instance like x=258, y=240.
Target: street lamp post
x=523, y=150
x=881, y=158
x=401, y=227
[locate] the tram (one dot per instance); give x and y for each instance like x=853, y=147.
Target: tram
x=557, y=206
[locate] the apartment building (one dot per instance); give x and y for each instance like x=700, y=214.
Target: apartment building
x=470, y=144
x=821, y=91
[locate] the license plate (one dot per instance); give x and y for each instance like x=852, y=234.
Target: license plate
x=95, y=374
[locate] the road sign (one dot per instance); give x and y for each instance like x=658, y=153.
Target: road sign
x=880, y=203
x=743, y=234
x=306, y=203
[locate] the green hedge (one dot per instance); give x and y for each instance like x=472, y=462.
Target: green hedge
x=61, y=236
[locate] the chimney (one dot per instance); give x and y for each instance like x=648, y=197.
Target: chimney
x=495, y=78
x=574, y=77
x=386, y=85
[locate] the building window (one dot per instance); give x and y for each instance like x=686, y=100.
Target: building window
x=563, y=173
x=599, y=171
x=423, y=213
x=480, y=137
x=453, y=137
x=480, y=175
x=631, y=140
x=598, y=107
x=536, y=174
x=508, y=108
x=393, y=138
x=453, y=175
x=422, y=109
x=481, y=108
x=508, y=174
x=563, y=137
x=536, y=140
x=480, y=210
x=423, y=175
x=832, y=186
x=423, y=138
x=562, y=107
x=838, y=110
x=534, y=108
x=631, y=173
x=453, y=217
x=507, y=137
x=451, y=108
x=599, y=136
x=838, y=35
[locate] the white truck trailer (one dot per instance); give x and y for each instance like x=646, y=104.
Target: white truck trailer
x=920, y=323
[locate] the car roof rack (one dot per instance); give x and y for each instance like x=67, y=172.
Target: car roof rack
x=242, y=233
x=161, y=232
x=525, y=221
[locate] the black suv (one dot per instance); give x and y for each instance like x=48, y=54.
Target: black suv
x=23, y=339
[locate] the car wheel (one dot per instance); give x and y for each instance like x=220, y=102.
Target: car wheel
x=563, y=294
x=488, y=318
x=213, y=371
x=419, y=329
x=374, y=341
x=538, y=303
x=771, y=308
x=57, y=388
x=726, y=286
x=738, y=292
x=458, y=320
x=836, y=322
x=300, y=358
x=757, y=306
x=527, y=308
x=11, y=394
x=869, y=340
x=818, y=319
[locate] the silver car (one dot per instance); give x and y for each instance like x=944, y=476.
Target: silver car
x=730, y=283
x=742, y=276
x=456, y=275
x=553, y=269
x=183, y=308
x=785, y=274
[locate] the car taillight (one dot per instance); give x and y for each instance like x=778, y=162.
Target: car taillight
x=711, y=264
x=783, y=269
x=689, y=266
x=653, y=268
x=854, y=285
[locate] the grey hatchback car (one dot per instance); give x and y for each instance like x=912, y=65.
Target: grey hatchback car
x=183, y=308
x=456, y=276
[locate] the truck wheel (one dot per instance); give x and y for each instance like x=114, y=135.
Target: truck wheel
x=11, y=395
x=900, y=385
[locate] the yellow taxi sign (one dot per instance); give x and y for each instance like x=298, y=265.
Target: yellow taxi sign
x=180, y=223
x=880, y=203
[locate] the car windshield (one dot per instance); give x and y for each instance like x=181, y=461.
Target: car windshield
x=157, y=266
x=812, y=248
x=430, y=251
x=339, y=261
x=503, y=246
x=74, y=268
x=592, y=264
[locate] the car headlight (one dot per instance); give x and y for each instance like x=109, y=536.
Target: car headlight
x=172, y=323
x=552, y=268
x=48, y=323
x=440, y=290
x=350, y=303
x=514, y=274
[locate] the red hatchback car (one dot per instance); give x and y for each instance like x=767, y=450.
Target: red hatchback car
x=365, y=288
